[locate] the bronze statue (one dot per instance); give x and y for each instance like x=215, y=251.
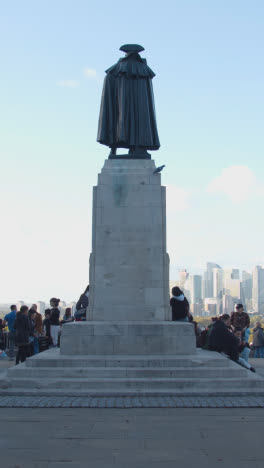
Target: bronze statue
x=127, y=116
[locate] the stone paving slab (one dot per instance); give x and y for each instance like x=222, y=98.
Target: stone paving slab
x=131, y=438
x=131, y=402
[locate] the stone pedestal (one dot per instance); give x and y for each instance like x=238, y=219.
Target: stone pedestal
x=129, y=312
x=128, y=338
x=129, y=346
x=129, y=266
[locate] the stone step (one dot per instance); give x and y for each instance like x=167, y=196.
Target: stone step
x=122, y=372
x=136, y=384
x=52, y=358
x=127, y=392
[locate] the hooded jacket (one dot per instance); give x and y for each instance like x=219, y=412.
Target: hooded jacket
x=179, y=307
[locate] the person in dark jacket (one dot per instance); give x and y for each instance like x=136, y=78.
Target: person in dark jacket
x=179, y=305
x=36, y=316
x=258, y=340
x=54, y=320
x=32, y=330
x=240, y=319
x=205, y=334
x=221, y=339
x=22, y=329
x=81, y=306
x=46, y=324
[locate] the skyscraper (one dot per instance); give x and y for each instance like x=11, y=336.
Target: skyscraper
x=258, y=289
x=195, y=285
x=208, y=281
x=227, y=304
x=218, y=277
x=246, y=289
x=231, y=273
x=232, y=287
x=232, y=283
x=212, y=306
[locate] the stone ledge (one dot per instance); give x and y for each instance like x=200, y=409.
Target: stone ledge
x=131, y=338
x=133, y=328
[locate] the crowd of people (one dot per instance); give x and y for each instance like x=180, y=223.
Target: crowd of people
x=227, y=334
x=30, y=334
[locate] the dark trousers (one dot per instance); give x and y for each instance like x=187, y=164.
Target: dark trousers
x=12, y=339
x=232, y=352
x=22, y=353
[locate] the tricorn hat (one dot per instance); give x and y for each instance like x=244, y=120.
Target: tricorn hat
x=132, y=48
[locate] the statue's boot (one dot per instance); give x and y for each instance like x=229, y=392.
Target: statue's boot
x=112, y=152
x=138, y=152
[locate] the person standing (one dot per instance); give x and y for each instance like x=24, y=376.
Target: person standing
x=240, y=319
x=22, y=331
x=54, y=320
x=46, y=325
x=258, y=340
x=10, y=319
x=45, y=339
x=32, y=337
x=37, y=327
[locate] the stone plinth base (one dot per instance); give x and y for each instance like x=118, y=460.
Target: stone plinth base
x=127, y=338
x=204, y=373
x=129, y=265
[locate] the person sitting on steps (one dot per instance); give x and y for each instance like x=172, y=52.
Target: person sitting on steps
x=221, y=339
x=179, y=306
x=81, y=306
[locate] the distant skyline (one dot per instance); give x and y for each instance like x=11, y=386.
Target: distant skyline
x=209, y=98
x=191, y=272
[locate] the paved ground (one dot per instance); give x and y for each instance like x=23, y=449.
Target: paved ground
x=131, y=438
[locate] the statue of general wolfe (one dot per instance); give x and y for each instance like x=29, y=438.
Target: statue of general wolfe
x=127, y=116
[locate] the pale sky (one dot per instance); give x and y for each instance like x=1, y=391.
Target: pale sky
x=208, y=60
